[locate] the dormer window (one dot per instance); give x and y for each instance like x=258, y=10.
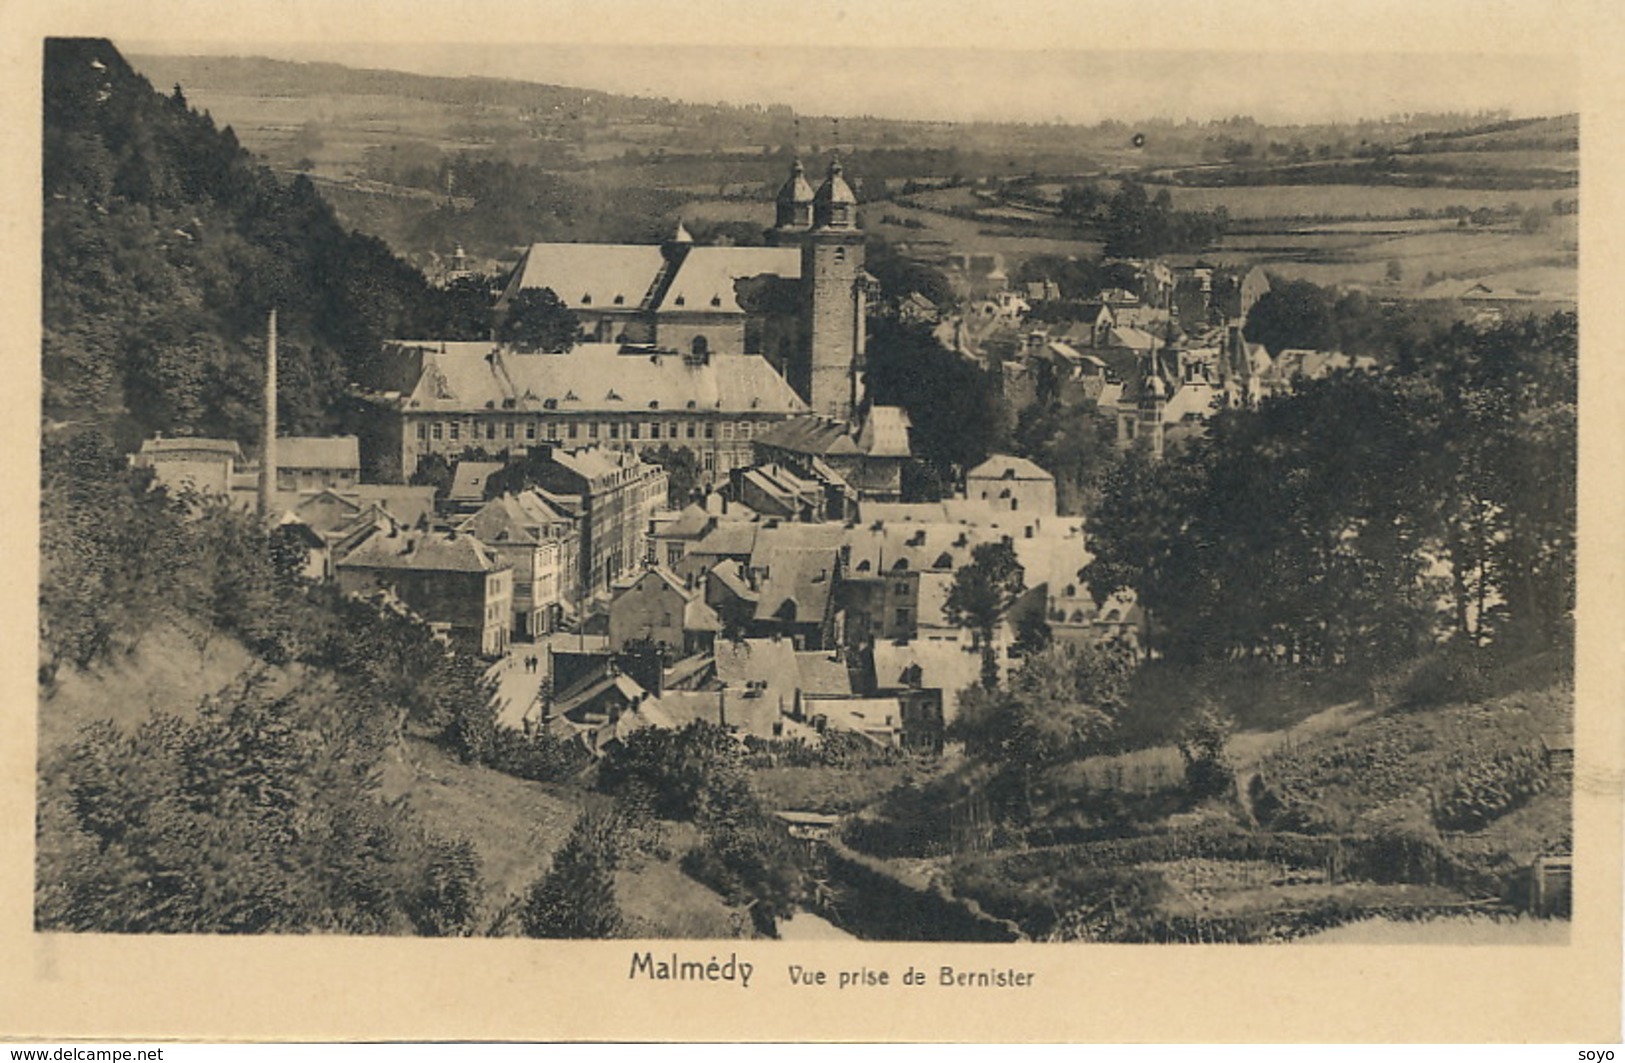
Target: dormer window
x=611, y=396
x=680, y=301
x=586, y=300
x=620, y=300
x=716, y=300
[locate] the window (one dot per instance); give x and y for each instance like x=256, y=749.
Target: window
x=423, y=431
x=904, y=616
x=530, y=430
x=701, y=346
x=710, y=430
x=744, y=429
x=574, y=429
x=727, y=429
x=437, y=430
x=614, y=429
x=691, y=429
x=592, y=430
x=456, y=429
x=899, y=589
x=490, y=429
x=840, y=254
x=634, y=430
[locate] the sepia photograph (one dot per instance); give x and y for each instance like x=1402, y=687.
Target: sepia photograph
x=711, y=502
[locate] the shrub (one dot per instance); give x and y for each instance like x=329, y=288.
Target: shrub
x=1208, y=772
x=1489, y=789
x=1456, y=673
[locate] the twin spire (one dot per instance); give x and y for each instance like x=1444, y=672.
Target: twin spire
x=833, y=206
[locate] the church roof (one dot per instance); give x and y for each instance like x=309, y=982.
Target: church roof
x=834, y=189
x=796, y=189
x=593, y=275
x=704, y=283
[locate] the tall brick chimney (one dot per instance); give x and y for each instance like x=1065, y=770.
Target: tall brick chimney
x=268, y=441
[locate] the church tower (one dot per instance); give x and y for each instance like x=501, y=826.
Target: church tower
x=827, y=371
x=793, y=207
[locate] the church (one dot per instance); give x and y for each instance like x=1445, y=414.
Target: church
x=799, y=302
x=683, y=345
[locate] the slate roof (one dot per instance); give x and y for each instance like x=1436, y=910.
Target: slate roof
x=885, y=432
x=948, y=666
x=468, y=480
x=819, y=674
x=796, y=577
x=423, y=551
x=407, y=504
x=593, y=275
x=595, y=377
x=810, y=435
x=225, y=448
x=318, y=452
x=704, y=282
x=1007, y=466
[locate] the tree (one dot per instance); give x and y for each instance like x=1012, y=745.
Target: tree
x=576, y=898
x=1061, y=704
x=537, y=320
x=1293, y=313
x=953, y=404
x=683, y=472
x=981, y=592
x=1208, y=772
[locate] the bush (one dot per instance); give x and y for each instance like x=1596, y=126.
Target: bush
x=576, y=898
x=1456, y=673
x=1489, y=789
x=1208, y=772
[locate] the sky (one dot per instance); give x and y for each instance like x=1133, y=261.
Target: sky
x=956, y=60
x=956, y=84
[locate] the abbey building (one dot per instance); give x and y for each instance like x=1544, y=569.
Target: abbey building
x=682, y=345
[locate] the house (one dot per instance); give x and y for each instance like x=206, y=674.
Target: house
x=187, y=462
x=468, y=479
x=880, y=720
x=538, y=542
x=455, y=584
x=318, y=554
x=869, y=460
x=659, y=609
x=312, y=463
x=947, y=668
x=1016, y=484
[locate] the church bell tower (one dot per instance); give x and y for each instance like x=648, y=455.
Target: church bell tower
x=828, y=371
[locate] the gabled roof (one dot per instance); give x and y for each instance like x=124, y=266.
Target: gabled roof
x=704, y=282
x=730, y=538
x=810, y=435
x=501, y=520
x=225, y=448
x=423, y=551
x=946, y=666
x=405, y=503
x=1008, y=467
x=318, y=452
x=737, y=585
x=819, y=674
x=797, y=585
x=691, y=523
x=593, y=276
x=885, y=432
x=468, y=480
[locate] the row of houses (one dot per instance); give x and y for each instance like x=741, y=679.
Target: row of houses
x=781, y=629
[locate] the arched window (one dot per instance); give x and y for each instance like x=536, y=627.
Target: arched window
x=701, y=346
x=840, y=254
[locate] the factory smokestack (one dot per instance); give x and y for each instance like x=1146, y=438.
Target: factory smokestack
x=268, y=441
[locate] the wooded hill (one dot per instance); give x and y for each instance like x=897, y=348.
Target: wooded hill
x=165, y=245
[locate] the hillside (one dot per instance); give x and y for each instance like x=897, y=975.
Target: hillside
x=165, y=246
